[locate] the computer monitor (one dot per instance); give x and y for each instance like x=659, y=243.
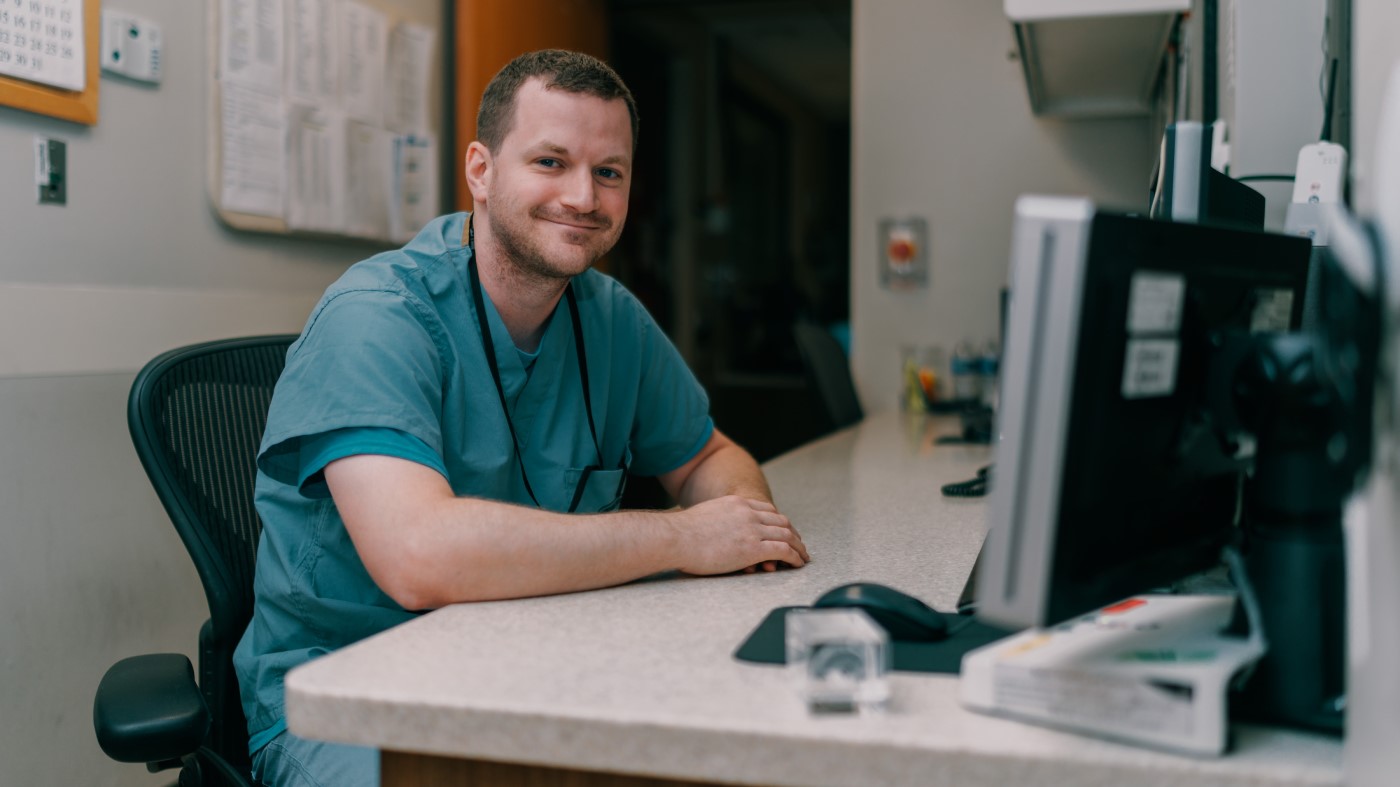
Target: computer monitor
x=1188, y=189
x=1111, y=475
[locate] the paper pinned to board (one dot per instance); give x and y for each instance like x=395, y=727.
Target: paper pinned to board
x=415, y=192
x=254, y=153
x=315, y=169
x=364, y=44
x=406, y=83
x=312, y=65
x=250, y=44
x=369, y=159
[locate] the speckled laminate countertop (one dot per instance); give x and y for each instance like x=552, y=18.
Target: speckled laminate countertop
x=640, y=678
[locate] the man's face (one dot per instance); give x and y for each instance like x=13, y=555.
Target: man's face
x=557, y=193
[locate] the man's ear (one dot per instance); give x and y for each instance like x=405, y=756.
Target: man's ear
x=478, y=168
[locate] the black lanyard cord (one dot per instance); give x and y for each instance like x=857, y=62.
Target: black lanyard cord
x=583, y=368
x=488, y=344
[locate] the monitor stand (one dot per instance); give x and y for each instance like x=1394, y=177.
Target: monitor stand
x=1153, y=671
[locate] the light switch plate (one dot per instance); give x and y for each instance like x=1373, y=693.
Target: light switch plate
x=51, y=171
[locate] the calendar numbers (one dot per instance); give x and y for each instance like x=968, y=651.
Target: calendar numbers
x=42, y=41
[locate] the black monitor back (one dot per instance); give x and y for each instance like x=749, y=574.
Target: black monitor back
x=1149, y=489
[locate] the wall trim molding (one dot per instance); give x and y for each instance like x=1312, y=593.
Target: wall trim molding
x=54, y=330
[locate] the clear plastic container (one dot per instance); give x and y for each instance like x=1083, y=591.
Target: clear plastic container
x=964, y=367
x=838, y=660
x=988, y=365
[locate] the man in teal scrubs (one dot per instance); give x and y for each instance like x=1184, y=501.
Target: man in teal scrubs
x=458, y=417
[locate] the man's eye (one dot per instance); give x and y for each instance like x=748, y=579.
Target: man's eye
x=609, y=173
x=550, y=162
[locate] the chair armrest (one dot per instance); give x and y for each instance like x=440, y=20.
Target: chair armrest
x=149, y=709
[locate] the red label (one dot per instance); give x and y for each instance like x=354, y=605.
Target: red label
x=1122, y=606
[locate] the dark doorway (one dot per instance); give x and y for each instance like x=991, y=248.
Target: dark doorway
x=739, y=220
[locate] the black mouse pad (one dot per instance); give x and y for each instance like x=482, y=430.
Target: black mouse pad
x=766, y=645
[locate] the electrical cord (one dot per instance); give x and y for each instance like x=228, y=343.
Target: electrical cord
x=976, y=487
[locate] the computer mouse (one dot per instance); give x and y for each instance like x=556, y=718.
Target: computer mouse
x=906, y=618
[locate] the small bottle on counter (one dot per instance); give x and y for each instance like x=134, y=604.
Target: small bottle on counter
x=911, y=396
x=964, y=368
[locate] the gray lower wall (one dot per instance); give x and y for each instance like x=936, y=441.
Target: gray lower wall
x=91, y=571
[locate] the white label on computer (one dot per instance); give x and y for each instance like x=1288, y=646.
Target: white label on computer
x=1154, y=302
x=1149, y=368
x=1273, y=311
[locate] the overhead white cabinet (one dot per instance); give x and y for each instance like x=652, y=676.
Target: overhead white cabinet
x=1093, y=58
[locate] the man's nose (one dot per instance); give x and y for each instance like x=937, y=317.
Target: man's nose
x=579, y=193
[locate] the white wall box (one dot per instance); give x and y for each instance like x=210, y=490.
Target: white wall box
x=1093, y=58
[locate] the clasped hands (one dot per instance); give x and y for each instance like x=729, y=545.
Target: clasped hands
x=735, y=533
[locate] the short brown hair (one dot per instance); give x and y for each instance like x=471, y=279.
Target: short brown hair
x=573, y=72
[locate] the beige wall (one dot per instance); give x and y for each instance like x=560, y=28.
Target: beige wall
x=943, y=130
x=1375, y=50
x=1373, y=723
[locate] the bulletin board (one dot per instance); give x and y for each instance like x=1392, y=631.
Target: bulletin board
x=80, y=105
x=324, y=116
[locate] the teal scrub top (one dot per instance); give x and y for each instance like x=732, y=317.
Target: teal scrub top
x=395, y=344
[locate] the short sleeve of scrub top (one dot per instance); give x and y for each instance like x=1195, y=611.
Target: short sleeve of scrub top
x=322, y=449
x=672, y=419
x=366, y=359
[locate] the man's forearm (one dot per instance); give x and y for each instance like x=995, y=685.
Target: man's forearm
x=476, y=550
x=729, y=470
x=426, y=548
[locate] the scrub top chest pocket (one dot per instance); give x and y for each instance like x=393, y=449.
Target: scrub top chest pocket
x=594, y=489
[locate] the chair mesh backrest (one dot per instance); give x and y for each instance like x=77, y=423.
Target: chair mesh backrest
x=198, y=415
x=830, y=373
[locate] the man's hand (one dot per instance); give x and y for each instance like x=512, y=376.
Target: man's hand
x=734, y=533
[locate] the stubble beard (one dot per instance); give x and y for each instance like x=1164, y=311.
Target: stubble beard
x=522, y=252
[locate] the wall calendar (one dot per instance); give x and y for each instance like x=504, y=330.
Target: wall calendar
x=43, y=41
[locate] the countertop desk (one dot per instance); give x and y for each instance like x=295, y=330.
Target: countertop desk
x=636, y=685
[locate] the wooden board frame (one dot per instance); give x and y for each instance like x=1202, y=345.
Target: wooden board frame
x=79, y=106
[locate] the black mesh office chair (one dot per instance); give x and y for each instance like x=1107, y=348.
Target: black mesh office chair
x=197, y=416
x=829, y=372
